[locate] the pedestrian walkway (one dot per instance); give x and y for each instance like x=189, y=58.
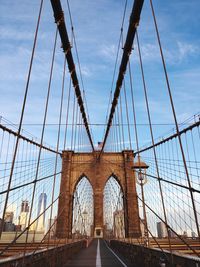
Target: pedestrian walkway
x=98, y=254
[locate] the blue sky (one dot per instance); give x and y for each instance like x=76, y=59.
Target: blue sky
x=97, y=28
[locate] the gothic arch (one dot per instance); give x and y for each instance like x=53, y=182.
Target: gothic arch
x=98, y=170
x=82, y=206
x=116, y=177
x=80, y=177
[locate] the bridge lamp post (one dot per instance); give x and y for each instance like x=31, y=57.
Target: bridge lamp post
x=141, y=168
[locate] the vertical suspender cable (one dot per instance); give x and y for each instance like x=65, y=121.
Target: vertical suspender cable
x=22, y=116
x=42, y=135
x=58, y=143
x=67, y=114
x=127, y=117
x=175, y=119
x=137, y=145
x=152, y=140
x=133, y=23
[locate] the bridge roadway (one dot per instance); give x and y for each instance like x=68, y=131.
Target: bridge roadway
x=98, y=254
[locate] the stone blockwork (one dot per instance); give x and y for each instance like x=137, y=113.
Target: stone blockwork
x=98, y=171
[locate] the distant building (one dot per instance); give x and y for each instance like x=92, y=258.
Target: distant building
x=24, y=206
x=9, y=215
x=108, y=232
x=52, y=225
x=40, y=226
x=23, y=220
x=12, y=208
x=9, y=227
x=18, y=228
x=193, y=234
x=161, y=230
x=185, y=234
x=33, y=227
x=23, y=217
x=171, y=234
x=119, y=230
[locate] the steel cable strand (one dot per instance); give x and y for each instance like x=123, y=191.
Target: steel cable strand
x=43, y=129
x=184, y=241
x=174, y=115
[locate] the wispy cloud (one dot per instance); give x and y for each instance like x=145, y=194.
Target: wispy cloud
x=14, y=34
x=85, y=70
x=187, y=49
x=97, y=29
x=108, y=51
x=180, y=51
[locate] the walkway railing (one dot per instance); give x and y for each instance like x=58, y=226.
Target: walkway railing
x=141, y=256
x=54, y=256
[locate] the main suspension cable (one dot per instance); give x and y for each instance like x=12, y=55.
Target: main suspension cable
x=133, y=23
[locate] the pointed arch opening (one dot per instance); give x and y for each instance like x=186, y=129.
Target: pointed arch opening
x=113, y=208
x=83, y=208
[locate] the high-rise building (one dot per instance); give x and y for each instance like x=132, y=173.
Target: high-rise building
x=193, y=234
x=9, y=227
x=11, y=212
x=185, y=234
x=24, y=206
x=52, y=225
x=119, y=231
x=41, y=208
x=23, y=217
x=161, y=230
x=171, y=234
x=9, y=215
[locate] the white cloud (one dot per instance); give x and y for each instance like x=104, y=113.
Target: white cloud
x=150, y=52
x=109, y=51
x=174, y=54
x=97, y=51
x=186, y=49
x=9, y=33
x=86, y=71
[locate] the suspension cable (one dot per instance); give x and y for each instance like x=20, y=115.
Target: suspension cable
x=175, y=117
x=59, y=19
x=22, y=115
x=133, y=23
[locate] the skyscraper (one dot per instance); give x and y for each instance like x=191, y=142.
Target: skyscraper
x=24, y=206
x=193, y=234
x=9, y=215
x=119, y=231
x=23, y=217
x=161, y=229
x=41, y=207
x=52, y=226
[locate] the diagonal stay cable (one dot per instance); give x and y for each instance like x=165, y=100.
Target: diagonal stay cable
x=189, y=128
x=31, y=141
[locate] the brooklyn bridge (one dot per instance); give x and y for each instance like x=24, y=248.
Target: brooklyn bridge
x=123, y=192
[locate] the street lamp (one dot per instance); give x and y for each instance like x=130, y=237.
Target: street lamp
x=141, y=168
